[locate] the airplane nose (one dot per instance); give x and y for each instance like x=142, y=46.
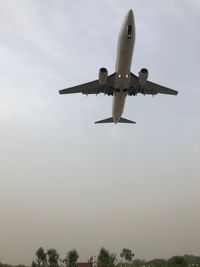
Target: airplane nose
x=130, y=16
x=130, y=12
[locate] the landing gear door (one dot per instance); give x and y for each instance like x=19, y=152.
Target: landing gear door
x=129, y=31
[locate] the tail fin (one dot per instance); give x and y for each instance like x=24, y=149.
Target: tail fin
x=110, y=120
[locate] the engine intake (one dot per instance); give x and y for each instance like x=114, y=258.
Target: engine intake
x=143, y=75
x=103, y=76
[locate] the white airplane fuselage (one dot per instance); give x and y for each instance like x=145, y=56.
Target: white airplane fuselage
x=125, y=47
x=122, y=82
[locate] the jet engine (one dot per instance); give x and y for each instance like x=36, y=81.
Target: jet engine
x=103, y=76
x=143, y=75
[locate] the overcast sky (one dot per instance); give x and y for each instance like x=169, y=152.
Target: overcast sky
x=68, y=183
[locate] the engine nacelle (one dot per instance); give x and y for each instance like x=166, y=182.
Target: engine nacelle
x=103, y=76
x=143, y=75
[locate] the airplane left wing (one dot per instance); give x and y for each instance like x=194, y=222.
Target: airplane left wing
x=93, y=87
x=149, y=88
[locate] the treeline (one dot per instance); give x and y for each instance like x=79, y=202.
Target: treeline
x=107, y=259
x=175, y=261
x=51, y=258
x=8, y=265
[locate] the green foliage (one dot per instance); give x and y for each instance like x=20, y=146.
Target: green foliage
x=191, y=259
x=157, y=263
x=33, y=264
x=53, y=257
x=138, y=263
x=106, y=259
x=113, y=260
x=41, y=256
x=72, y=258
x=90, y=261
x=9, y=265
x=177, y=261
x=127, y=254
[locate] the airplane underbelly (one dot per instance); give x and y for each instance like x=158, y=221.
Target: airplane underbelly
x=122, y=82
x=118, y=105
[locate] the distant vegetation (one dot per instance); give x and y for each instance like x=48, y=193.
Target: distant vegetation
x=8, y=265
x=51, y=258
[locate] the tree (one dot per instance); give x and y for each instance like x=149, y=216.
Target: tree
x=177, y=261
x=156, y=263
x=103, y=257
x=53, y=257
x=106, y=259
x=33, y=264
x=72, y=258
x=127, y=254
x=90, y=261
x=112, y=260
x=41, y=256
x=138, y=262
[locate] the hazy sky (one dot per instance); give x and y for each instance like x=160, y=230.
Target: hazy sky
x=67, y=183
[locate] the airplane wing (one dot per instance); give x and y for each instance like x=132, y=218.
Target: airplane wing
x=149, y=88
x=93, y=87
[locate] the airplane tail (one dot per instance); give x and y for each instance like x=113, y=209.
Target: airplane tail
x=110, y=120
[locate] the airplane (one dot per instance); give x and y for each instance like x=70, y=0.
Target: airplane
x=122, y=82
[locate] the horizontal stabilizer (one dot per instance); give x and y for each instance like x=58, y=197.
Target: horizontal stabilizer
x=110, y=120
x=123, y=120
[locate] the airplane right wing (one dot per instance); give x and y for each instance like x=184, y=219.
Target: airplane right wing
x=150, y=88
x=93, y=87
